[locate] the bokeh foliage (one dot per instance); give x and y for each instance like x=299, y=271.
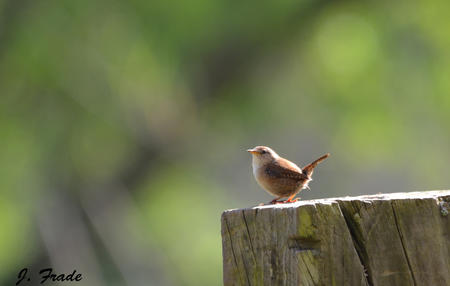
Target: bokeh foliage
x=123, y=125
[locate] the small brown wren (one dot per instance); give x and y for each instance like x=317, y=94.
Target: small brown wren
x=278, y=176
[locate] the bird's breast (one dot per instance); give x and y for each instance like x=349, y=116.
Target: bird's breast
x=274, y=185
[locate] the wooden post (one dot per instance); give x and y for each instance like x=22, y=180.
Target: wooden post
x=385, y=239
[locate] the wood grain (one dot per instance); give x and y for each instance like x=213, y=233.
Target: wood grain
x=389, y=239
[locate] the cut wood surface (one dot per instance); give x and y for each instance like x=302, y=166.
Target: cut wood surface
x=385, y=239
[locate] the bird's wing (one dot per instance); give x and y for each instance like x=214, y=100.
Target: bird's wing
x=286, y=170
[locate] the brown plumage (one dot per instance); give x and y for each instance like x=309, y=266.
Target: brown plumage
x=278, y=176
x=308, y=169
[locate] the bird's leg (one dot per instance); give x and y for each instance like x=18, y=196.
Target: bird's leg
x=290, y=199
x=275, y=201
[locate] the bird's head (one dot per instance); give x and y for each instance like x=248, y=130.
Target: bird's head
x=263, y=155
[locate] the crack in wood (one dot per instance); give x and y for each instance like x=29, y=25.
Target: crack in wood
x=245, y=269
x=248, y=233
x=313, y=282
x=403, y=244
x=357, y=243
x=232, y=249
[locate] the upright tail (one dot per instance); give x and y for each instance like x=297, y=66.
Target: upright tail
x=308, y=170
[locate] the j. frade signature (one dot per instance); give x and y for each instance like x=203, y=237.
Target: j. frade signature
x=47, y=275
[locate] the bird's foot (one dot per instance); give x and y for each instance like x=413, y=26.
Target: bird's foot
x=291, y=200
x=276, y=201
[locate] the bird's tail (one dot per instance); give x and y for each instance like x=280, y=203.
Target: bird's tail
x=308, y=170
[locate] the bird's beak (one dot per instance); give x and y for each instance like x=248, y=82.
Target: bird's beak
x=253, y=151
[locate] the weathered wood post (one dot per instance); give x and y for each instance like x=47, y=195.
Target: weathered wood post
x=386, y=240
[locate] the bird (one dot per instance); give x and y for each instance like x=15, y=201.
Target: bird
x=281, y=177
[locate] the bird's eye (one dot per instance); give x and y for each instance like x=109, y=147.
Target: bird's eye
x=263, y=152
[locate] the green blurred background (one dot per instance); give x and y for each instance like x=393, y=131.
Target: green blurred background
x=124, y=124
